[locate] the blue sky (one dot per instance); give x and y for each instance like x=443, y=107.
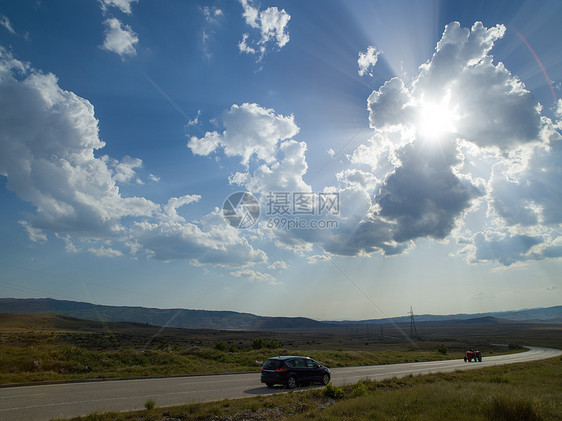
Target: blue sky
x=125, y=125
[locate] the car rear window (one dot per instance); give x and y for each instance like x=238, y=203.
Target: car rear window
x=272, y=364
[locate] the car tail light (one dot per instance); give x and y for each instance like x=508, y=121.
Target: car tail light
x=280, y=370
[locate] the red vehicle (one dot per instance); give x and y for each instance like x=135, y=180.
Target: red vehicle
x=473, y=355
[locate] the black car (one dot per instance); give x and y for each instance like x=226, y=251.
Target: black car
x=291, y=370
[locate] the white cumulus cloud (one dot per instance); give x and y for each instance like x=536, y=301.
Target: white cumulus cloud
x=284, y=175
x=48, y=142
x=248, y=130
x=503, y=247
x=34, y=234
x=209, y=241
x=278, y=264
x=47, y=146
x=270, y=26
x=119, y=38
x=105, y=252
x=367, y=61
x=414, y=178
x=123, y=5
x=254, y=276
x=124, y=170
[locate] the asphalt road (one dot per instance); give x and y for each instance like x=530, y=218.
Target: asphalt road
x=72, y=399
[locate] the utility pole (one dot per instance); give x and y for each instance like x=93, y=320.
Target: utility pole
x=413, y=330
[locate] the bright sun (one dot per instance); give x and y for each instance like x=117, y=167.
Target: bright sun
x=437, y=119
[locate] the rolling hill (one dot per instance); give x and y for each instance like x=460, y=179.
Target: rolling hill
x=205, y=319
x=191, y=319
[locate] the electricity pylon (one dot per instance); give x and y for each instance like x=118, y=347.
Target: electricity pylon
x=413, y=330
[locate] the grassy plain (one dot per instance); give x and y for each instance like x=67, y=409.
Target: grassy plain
x=44, y=347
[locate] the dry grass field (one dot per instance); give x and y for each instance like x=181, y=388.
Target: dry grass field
x=45, y=347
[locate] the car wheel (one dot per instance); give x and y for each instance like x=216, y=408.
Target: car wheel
x=292, y=382
x=270, y=385
x=325, y=379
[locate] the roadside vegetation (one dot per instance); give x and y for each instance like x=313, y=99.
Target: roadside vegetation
x=68, y=362
x=529, y=391
x=35, y=348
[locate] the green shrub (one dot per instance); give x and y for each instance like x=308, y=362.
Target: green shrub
x=272, y=344
x=221, y=346
x=257, y=343
x=253, y=406
x=150, y=404
x=360, y=389
x=333, y=392
x=442, y=349
x=512, y=409
x=260, y=343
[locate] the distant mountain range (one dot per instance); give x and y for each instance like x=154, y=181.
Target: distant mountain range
x=204, y=319
x=548, y=315
x=190, y=319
